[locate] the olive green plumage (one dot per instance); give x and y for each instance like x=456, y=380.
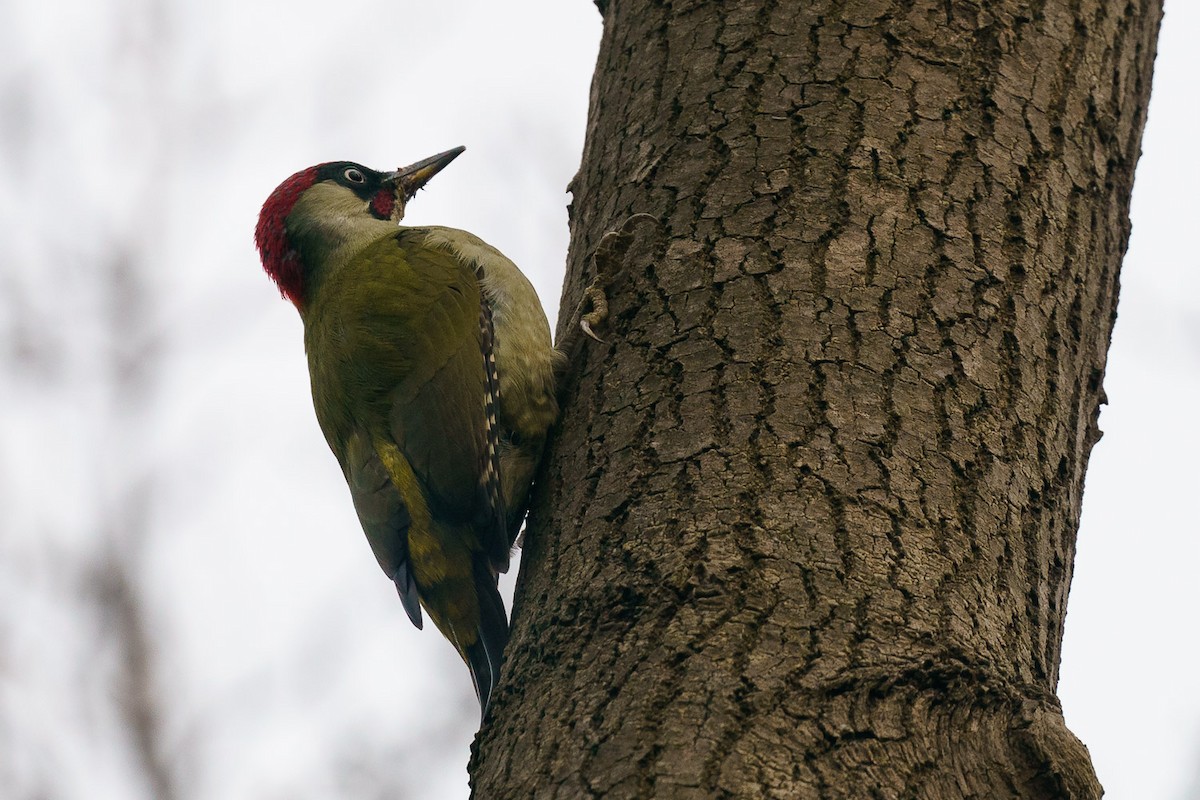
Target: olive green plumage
x=399, y=386
x=432, y=379
x=526, y=362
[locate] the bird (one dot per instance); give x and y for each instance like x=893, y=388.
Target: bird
x=433, y=379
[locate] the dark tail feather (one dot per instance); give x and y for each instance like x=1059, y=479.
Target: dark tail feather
x=406, y=587
x=487, y=654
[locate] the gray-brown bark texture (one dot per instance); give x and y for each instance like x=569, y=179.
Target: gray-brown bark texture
x=808, y=524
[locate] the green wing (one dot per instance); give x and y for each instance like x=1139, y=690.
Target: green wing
x=395, y=347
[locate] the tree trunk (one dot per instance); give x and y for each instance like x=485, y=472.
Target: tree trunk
x=808, y=524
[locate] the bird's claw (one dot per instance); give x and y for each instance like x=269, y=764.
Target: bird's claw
x=586, y=327
x=606, y=262
x=594, y=296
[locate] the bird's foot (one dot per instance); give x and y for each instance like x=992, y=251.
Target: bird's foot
x=607, y=262
x=594, y=297
x=592, y=315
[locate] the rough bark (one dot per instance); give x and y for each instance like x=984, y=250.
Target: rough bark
x=808, y=524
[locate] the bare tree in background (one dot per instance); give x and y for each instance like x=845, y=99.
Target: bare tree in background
x=808, y=526
x=108, y=321
x=110, y=683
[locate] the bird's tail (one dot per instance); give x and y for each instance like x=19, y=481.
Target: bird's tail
x=486, y=655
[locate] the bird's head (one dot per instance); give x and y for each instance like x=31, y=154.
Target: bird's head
x=318, y=209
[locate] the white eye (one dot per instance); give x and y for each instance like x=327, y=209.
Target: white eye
x=354, y=176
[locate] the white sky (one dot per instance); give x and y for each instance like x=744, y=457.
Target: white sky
x=1131, y=652
x=291, y=669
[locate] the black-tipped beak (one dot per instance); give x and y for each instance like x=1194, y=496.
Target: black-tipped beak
x=411, y=178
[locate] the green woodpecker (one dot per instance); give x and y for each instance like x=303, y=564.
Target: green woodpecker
x=433, y=380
